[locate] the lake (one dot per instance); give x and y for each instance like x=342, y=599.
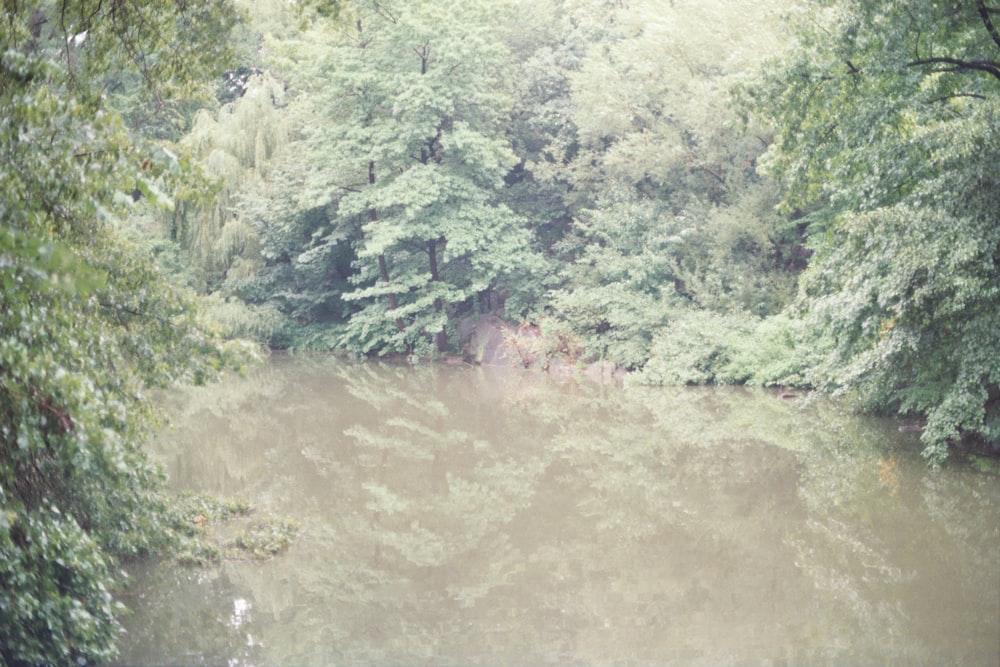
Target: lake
x=496, y=516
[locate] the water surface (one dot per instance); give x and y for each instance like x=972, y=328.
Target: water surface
x=470, y=516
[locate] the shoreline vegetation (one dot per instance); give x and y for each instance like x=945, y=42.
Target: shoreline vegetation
x=794, y=194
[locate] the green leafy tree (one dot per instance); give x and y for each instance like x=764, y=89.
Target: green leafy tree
x=886, y=118
x=413, y=101
x=667, y=212
x=621, y=287
x=232, y=149
x=306, y=261
x=650, y=102
x=86, y=323
x=548, y=42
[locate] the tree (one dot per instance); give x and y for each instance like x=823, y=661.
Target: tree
x=233, y=149
x=86, y=323
x=886, y=118
x=650, y=102
x=666, y=209
x=620, y=288
x=413, y=100
x=548, y=42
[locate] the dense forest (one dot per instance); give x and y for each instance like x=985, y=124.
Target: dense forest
x=800, y=193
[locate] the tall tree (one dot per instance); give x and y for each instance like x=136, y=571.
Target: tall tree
x=667, y=210
x=886, y=118
x=549, y=41
x=414, y=100
x=650, y=102
x=86, y=323
x=233, y=149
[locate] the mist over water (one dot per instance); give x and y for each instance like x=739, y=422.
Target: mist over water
x=476, y=516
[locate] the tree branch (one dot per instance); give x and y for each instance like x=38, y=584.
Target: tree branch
x=945, y=98
x=984, y=13
x=719, y=177
x=990, y=67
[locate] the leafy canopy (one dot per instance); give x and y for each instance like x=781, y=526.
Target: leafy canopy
x=410, y=104
x=86, y=323
x=887, y=140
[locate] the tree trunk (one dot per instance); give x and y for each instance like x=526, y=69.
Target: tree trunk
x=383, y=266
x=442, y=336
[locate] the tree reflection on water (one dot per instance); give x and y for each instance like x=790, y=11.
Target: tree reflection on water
x=491, y=516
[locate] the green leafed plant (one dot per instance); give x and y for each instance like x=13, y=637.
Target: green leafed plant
x=886, y=117
x=87, y=324
x=412, y=103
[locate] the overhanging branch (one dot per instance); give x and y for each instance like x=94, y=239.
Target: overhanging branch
x=957, y=65
x=984, y=13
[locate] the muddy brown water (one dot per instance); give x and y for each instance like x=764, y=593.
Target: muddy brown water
x=475, y=516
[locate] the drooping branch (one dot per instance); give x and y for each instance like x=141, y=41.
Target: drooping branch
x=984, y=13
x=957, y=65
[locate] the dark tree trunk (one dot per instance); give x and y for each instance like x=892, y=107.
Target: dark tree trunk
x=441, y=338
x=383, y=265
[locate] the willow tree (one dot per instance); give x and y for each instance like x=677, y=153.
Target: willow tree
x=887, y=142
x=413, y=102
x=232, y=148
x=86, y=323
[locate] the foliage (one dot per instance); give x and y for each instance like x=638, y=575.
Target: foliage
x=56, y=607
x=412, y=104
x=304, y=262
x=235, y=319
x=621, y=288
x=309, y=239
x=665, y=209
x=201, y=523
x=425, y=163
x=265, y=539
x=389, y=168
x=231, y=151
x=704, y=347
x=696, y=348
x=548, y=42
x=662, y=124
x=635, y=264
x=87, y=325
x=886, y=118
x=739, y=255
x=145, y=62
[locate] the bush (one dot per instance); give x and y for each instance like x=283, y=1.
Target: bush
x=55, y=606
x=702, y=347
